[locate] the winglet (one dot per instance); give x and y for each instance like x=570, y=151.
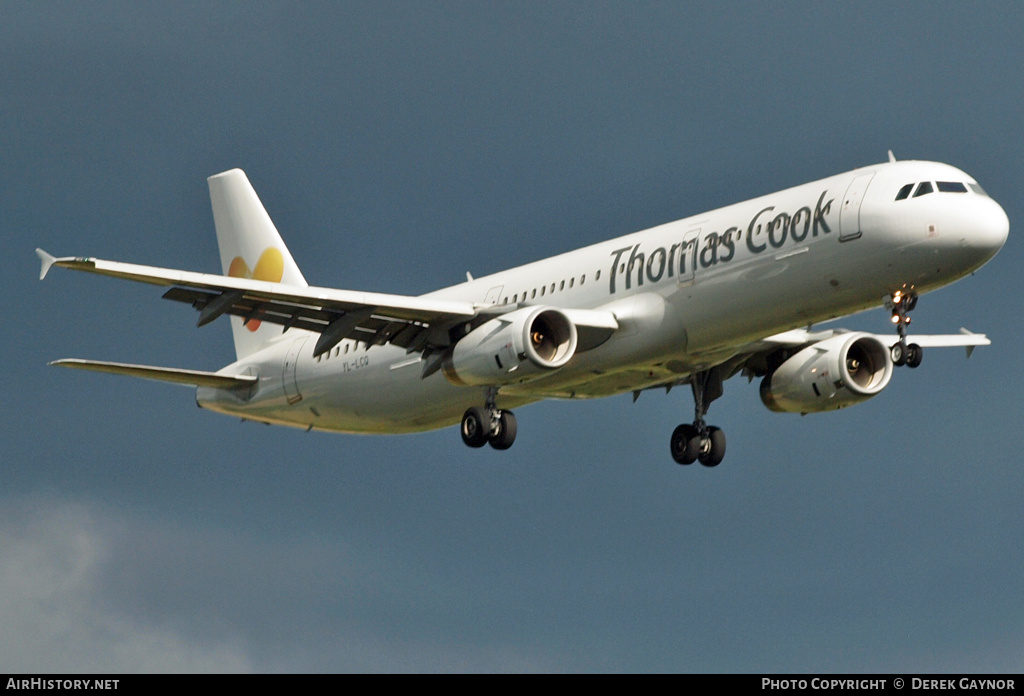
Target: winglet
x=892, y=157
x=47, y=262
x=970, y=349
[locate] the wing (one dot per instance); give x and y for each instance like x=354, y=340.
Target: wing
x=758, y=358
x=802, y=337
x=373, y=318
x=413, y=323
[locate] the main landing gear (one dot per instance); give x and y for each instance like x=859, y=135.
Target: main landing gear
x=700, y=441
x=902, y=302
x=489, y=425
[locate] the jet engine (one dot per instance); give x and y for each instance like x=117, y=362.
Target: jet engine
x=512, y=348
x=837, y=372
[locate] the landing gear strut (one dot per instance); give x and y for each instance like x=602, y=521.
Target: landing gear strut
x=700, y=441
x=489, y=424
x=902, y=302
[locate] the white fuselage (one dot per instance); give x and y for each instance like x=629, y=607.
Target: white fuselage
x=687, y=295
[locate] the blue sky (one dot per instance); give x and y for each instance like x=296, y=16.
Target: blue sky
x=396, y=146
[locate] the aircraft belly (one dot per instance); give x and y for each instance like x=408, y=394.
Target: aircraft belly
x=381, y=391
x=376, y=391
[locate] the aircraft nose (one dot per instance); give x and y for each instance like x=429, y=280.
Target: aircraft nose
x=972, y=232
x=984, y=228
x=991, y=227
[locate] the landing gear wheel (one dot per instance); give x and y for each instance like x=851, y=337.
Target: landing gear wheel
x=476, y=426
x=712, y=449
x=505, y=434
x=898, y=355
x=685, y=444
x=699, y=441
x=914, y=355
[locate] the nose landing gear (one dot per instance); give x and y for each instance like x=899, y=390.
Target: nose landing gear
x=902, y=302
x=489, y=424
x=700, y=441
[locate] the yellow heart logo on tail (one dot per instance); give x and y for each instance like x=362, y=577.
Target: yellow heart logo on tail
x=269, y=267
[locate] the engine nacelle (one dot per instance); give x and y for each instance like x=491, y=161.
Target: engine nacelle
x=834, y=373
x=513, y=348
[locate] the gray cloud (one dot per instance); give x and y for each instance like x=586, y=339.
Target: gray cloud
x=88, y=589
x=59, y=560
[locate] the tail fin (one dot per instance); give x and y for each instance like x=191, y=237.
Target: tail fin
x=250, y=247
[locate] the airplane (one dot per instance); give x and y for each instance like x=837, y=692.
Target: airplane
x=734, y=291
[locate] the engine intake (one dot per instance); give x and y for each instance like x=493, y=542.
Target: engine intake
x=515, y=347
x=831, y=374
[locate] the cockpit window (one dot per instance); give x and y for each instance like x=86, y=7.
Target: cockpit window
x=951, y=187
x=978, y=189
x=923, y=188
x=904, y=192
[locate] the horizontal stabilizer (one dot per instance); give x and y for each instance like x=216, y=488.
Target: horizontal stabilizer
x=196, y=378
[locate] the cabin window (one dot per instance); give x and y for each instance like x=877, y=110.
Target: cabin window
x=562, y=285
x=924, y=188
x=583, y=279
x=515, y=298
x=533, y=293
x=904, y=192
x=542, y=289
x=950, y=187
x=571, y=281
